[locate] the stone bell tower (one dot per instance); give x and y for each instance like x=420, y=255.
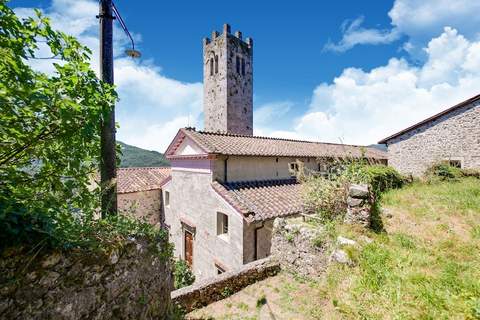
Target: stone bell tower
x=228, y=83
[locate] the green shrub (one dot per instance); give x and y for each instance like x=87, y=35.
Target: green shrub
x=380, y=178
x=182, y=274
x=443, y=171
x=325, y=197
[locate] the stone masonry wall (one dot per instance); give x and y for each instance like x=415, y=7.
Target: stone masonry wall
x=228, y=92
x=213, y=289
x=453, y=136
x=295, y=248
x=141, y=205
x=193, y=207
x=127, y=283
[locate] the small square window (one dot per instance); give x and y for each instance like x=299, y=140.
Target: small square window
x=293, y=168
x=167, y=199
x=222, y=223
x=455, y=163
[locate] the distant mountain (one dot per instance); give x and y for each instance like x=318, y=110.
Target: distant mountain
x=137, y=157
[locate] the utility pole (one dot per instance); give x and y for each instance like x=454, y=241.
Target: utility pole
x=108, y=170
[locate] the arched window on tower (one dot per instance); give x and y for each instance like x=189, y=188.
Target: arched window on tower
x=216, y=64
x=211, y=66
x=238, y=65
x=243, y=67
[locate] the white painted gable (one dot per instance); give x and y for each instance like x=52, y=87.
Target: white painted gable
x=188, y=148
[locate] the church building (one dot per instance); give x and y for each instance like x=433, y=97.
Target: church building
x=227, y=185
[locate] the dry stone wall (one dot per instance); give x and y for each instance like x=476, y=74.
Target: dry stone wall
x=359, y=205
x=132, y=282
x=217, y=288
x=298, y=247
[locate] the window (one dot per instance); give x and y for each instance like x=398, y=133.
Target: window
x=237, y=63
x=243, y=67
x=222, y=224
x=167, y=199
x=455, y=163
x=293, y=168
x=220, y=270
x=211, y=66
x=216, y=64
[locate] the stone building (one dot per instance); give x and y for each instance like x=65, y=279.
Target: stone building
x=452, y=135
x=227, y=186
x=139, y=192
x=228, y=82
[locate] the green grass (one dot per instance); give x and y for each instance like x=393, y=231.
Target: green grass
x=424, y=265
x=427, y=263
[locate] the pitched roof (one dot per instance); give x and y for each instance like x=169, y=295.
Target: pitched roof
x=262, y=200
x=234, y=144
x=436, y=116
x=141, y=179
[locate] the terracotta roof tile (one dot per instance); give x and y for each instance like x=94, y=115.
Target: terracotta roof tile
x=232, y=144
x=262, y=200
x=141, y=179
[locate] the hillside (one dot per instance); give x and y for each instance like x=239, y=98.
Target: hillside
x=137, y=157
x=424, y=265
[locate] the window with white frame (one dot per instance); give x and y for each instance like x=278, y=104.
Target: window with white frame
x=222, y=224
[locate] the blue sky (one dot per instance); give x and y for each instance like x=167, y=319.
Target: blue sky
x=350, y=71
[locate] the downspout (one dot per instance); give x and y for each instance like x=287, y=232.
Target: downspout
x=225, y=169
x=255, y=257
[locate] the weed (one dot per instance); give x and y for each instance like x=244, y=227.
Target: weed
x=242, y=306
x=261, y=301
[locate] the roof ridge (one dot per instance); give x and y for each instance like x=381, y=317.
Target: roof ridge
x=142, y=168
x=259, y=183
x=227, y=134
x=432, y=118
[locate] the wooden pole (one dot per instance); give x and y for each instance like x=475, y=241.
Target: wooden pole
x=108, y=159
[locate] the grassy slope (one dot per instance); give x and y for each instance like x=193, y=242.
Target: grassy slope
x=137, y=157
x=426, y=265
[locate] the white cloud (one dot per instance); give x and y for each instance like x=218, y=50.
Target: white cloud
x=155, y=136
x=363, y=107
x=354, y=34
x=419, y=21
x=152, y=107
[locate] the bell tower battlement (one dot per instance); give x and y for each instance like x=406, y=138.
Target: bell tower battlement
x=228, y=83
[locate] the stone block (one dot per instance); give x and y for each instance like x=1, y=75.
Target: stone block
x=358, y=191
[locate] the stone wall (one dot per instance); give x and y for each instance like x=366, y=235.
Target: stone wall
x=193, y=207
x=299, y=247
x=142, y=205
x=453, y=136
x=210, y=290
x=359, y=205
x=128, y=283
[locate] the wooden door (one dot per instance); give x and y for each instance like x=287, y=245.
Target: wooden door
x=189, y=248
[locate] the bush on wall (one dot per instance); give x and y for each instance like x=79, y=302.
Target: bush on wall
x=182, y=274
x=327, y=196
